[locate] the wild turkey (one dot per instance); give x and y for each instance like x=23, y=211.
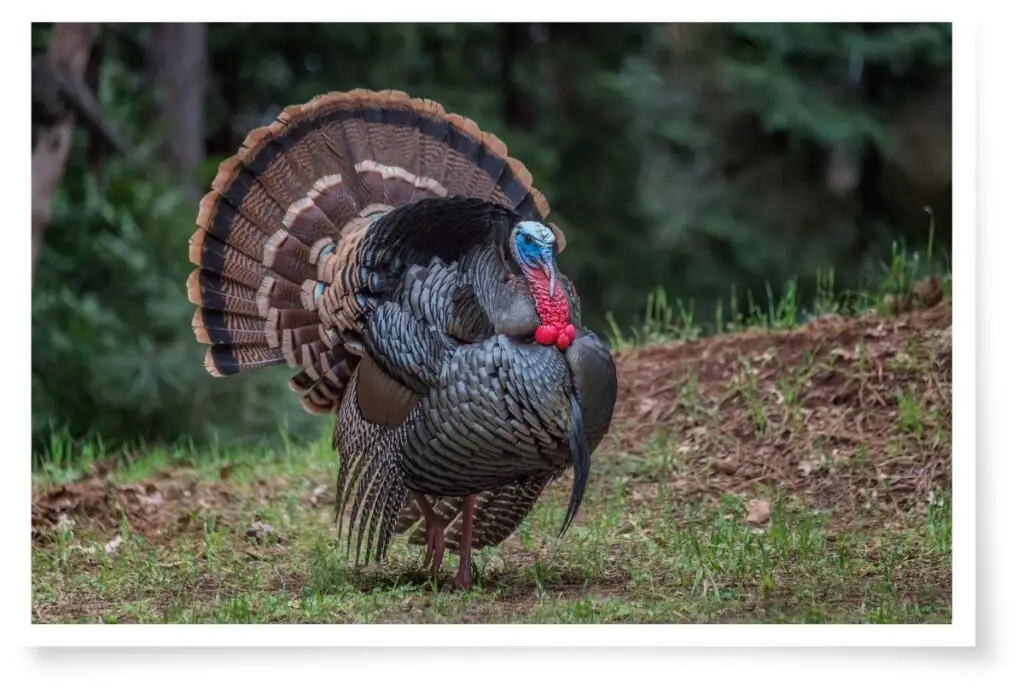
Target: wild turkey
x=397, y=255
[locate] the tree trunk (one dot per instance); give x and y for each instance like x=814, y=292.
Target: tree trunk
x=177, y=64
x=70, y=45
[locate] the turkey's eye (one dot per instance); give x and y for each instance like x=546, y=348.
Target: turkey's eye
x=527, y=239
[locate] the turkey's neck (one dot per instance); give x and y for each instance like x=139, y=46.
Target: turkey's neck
x=552, y=309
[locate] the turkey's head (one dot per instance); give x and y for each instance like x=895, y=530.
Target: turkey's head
x=533, y=245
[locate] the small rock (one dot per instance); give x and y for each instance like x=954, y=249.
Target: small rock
x=758, y=511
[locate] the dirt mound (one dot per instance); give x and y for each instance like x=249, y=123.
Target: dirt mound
x=167, y=503
x=843, y=413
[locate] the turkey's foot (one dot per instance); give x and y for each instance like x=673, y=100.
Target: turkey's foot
x=464, y=577
x=434, y=535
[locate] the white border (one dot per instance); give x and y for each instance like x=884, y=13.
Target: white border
x=961, y=632
x=501, y=635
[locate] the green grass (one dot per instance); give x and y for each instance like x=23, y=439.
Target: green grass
x=888, y=288
x=643, y=552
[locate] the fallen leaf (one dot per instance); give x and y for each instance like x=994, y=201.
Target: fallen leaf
x=725, y=465
x=647, y=405
x=263, y=533
x=64, y=523
x=317, y=495
x=758, y=511
x=152, y=501
x=258, y=529
x=807, y=466
x=845, y=354
x=111, y=548
x=225, y=472
x=928, y=291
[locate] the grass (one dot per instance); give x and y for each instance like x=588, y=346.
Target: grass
x=644, y=553
x=787, y=473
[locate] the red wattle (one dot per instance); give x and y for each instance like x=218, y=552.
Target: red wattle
x=546, y=335
x=553, y=311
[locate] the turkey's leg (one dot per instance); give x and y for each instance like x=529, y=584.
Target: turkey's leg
x=464, y=578
x=434, y=534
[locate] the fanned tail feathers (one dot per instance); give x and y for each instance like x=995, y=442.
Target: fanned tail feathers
x=284, y=275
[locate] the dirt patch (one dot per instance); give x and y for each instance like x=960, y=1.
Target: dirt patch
x=169, y=503
x=849, y=414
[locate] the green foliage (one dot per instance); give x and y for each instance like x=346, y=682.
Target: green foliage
x=705, y=163
x=747, y=135
x=113, y=350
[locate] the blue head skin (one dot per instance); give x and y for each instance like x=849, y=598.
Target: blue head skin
x=534, y=247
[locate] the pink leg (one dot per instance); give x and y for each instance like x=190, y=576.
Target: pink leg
x=434, y=534
x=464, y=578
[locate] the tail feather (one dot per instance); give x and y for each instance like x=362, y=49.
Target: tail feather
x=284, y=271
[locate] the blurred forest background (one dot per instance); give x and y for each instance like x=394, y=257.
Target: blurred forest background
x=709, y=160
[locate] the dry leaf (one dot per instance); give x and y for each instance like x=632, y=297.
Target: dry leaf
x=928, y=291
x=317, y=495
x=808, y=466
x=64, y=522
x=758, y=511
x=225, y=472
x=725, y=465
x=153, y=501
x=845, y=354
x=258, y=529
x=111, y=548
